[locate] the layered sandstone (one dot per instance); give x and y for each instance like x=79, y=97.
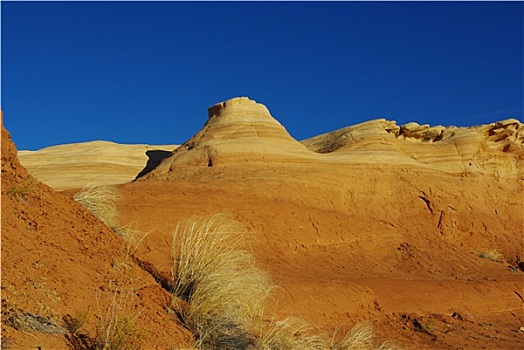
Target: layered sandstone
x=242, y=132
x=105, y=163
x=496, y=148
x=377, y=221
x=374, y=221
x=238, y=131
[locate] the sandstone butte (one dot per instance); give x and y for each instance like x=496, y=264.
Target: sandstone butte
x=375, y=222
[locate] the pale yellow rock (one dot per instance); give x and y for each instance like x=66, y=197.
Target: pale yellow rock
x=101, y=162
x=242, y=133
x=238, y=131
x=497, y=148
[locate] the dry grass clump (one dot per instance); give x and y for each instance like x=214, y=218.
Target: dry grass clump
x=493, y=255
x=361, y=337
x=220, y=281
x=101, y=201
x=296, y=334
x=289, y=334
x=117, y=329
x=23, y=190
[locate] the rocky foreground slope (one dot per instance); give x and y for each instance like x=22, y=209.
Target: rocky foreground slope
x=417, y=229
x=61, y=264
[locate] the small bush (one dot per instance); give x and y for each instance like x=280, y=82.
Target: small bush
x=101, y=201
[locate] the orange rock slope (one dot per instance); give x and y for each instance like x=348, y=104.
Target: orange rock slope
x=59, y=263
x=375, y=221
x=417, y=229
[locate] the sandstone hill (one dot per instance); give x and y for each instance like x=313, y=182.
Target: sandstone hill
x=107, y=163
x=415, y=228
x=375, y=221
x=495, y=149
x=241, y=131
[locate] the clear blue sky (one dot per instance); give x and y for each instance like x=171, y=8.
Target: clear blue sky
x=146, y=72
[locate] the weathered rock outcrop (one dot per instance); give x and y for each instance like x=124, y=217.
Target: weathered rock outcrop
x=496, y=148
x=242, y=132
x=239, y=130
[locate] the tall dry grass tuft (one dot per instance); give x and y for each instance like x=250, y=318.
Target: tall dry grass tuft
x=101, y=201
x=220, y=281
x=224, y=293
x=289, y=334
x=118, y=329
x=296, y=334
x=361, y=337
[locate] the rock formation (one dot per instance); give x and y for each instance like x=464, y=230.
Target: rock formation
x=497, y=148
x=375, y=221
x=242, y=132
x=105, y=163
x=237, y=131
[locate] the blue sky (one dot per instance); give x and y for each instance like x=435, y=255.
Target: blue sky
x=146, y=72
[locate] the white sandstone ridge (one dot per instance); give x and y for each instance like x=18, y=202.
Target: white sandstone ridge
x=496, y=148
x=106, y=163
x=238, y=130
x=241, y=131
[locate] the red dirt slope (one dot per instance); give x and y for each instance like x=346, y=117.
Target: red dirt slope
x=58, y=260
